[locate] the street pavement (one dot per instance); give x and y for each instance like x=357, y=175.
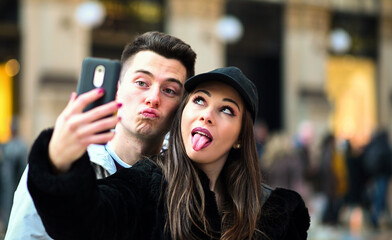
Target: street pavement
x=354, y=225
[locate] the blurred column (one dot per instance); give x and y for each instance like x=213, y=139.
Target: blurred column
x=305, y=53
x=53, y=46
x=385, y=70
x=194, y=22
x=5, y=104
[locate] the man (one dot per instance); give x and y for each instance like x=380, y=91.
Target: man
x=154, y=69
x=14, y=159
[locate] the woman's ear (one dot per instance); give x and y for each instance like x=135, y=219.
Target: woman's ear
x=237, y=146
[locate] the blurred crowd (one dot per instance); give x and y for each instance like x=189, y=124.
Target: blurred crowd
x=352, y=181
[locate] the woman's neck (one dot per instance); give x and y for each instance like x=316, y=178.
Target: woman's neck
x=218, y=191
x=212, y=171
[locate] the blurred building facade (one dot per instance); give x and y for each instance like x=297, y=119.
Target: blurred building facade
x=283, y=45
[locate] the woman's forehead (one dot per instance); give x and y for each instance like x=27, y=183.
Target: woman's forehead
x=218, y=88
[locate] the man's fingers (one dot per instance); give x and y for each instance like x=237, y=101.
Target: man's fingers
x=98, y=126
x=101, y=111
x=100, y=138
x=85, y=99
x=72, y=98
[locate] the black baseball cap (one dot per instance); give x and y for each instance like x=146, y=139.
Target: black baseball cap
x=234, y=77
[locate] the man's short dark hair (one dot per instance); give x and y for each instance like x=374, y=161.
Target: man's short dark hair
x=164, y=45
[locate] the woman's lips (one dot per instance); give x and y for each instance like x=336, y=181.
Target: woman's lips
x=201, y=138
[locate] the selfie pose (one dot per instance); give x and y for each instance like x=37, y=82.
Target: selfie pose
x=207, y=185
x=151, y=86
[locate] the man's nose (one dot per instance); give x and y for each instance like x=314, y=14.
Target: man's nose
x=153, y=97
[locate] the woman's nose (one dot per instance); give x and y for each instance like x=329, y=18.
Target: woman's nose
x=207, y=117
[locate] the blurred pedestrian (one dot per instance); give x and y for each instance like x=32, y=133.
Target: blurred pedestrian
x=333, y=179
x=281, y=164
x=304, y=141
x=14, y=160
x=357, y=177
x=378, y=165
x=261, y=136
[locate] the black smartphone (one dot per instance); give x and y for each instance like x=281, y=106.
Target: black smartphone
x=99, y=73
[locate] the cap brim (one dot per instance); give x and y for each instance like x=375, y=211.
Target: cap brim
x=194, y=81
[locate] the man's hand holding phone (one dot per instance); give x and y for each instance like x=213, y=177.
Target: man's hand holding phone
x=75, y=130
x=87, y=118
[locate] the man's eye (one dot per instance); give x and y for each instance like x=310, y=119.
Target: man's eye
x=169, y=91
x=141, y=83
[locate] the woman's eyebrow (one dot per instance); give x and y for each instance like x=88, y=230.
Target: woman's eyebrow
x=203, y=91
x=232, y=101
x=224, y=99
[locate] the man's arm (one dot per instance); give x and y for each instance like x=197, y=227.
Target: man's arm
x=73, y=206
x=74, y=131
x=24, y=222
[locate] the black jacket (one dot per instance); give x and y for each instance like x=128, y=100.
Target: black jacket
x=126, y=205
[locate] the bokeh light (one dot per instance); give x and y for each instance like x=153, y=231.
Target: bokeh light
x=12, y=67
x=90, y=14
x=229, y=29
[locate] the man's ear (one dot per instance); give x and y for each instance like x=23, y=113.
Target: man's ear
x=118, y=87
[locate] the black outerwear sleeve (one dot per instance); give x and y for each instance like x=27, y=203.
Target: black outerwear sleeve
x=73, y=206
x=284, y=216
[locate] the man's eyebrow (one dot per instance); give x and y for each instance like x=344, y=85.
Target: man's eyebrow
x=174, y=80
x=224, y=99
x=144, y=72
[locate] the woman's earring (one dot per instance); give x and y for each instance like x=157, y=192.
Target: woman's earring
x=237, y=146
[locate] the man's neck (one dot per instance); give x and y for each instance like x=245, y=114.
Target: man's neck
x=131, y=149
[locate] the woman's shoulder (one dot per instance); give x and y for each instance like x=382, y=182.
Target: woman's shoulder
x=284, y=212
x=289, y=198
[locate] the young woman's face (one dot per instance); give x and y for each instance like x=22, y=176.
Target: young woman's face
x=211, y=124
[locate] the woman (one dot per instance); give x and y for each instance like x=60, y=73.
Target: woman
x=207, y=185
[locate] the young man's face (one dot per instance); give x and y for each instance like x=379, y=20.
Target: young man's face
x=150, y=90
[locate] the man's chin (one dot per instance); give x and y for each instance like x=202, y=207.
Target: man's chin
x=150, y=129
x=147, y=129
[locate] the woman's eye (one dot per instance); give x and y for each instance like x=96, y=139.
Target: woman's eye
x=228, y=110
x=199, y=100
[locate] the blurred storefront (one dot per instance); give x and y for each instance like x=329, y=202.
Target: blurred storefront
x=285, y=46
x=9, y=66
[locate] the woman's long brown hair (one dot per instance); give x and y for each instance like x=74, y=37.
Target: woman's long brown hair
x=184, y=195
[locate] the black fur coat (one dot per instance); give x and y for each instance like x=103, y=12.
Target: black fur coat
x=126, y=205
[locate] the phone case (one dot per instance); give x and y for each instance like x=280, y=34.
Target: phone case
x=99, y=72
